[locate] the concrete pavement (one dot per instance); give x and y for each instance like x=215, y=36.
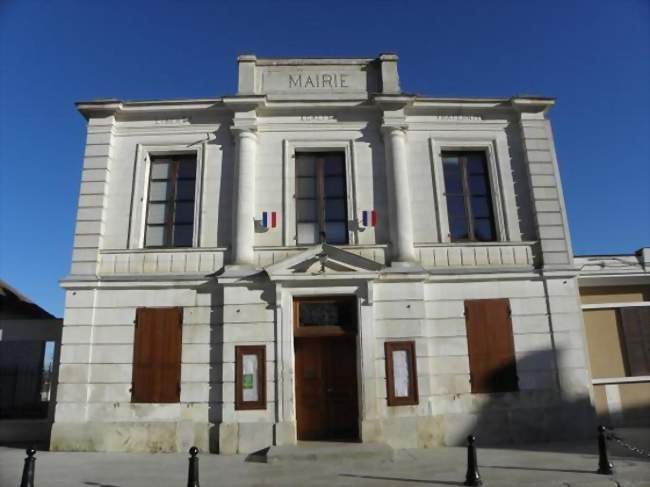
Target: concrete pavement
x=560, y=464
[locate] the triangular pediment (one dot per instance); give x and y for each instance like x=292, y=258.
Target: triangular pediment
x=324, y=260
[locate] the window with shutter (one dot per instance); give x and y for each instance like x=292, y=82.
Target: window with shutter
x=157, y=355
x=635, y=327
x=491, y=346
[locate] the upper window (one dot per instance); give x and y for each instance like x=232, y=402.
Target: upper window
x=469, y=201
x=321, y=199
x=170, y=209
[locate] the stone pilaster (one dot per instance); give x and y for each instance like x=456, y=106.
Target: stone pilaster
x=243, y=221
x=399, y=195
x=545, y=184
x=92, y=195
x=389, y=74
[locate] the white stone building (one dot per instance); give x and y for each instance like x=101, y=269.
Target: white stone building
x=321, y=255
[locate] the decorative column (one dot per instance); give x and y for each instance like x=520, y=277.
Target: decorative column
x=401, y=223
x=243, y=221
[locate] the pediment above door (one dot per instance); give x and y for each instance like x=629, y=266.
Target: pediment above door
x=324, y=261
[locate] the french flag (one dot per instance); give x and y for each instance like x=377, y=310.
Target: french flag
x=369, y=218
x=269, y=219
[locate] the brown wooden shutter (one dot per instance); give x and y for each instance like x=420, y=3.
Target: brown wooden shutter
x=635, y=324
x=491, y=345
x=157, y=355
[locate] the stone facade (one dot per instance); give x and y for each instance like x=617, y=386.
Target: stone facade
x=237, y=283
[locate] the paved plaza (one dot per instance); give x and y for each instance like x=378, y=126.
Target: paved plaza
x=558, y=464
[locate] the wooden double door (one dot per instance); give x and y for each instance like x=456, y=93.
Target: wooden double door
x=326, y=388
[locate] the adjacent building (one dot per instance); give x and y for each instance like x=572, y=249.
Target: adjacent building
x=30, y=340
x=615, y=293
x=320, y=256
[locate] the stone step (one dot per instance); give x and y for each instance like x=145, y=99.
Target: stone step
x=323, y=451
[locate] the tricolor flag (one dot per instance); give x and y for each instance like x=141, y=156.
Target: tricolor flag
x=269, y=219
x=369, y=218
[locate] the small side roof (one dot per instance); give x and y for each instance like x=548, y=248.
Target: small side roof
x=13, y=302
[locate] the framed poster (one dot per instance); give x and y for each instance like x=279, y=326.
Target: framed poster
x=250, y=377
x=401, y=374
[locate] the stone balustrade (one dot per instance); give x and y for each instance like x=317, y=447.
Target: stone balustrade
x=499, y=254
x=208, y=260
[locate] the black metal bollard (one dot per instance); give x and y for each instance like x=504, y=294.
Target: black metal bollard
x=605, y=467
x=193, y=470
x=473, y=477
x=28, y=469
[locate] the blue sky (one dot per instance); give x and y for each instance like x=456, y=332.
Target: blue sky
x=592, y=55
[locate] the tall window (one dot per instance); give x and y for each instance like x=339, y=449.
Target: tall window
x=321, y=200
x=469, y=201
x=170, y=209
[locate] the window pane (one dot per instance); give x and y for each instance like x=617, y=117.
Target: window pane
x=483, y=229
x=451, y=169
x=161, y=169
x=157, y=212
x=187, y=169
x=456, y=206
x=335, y=210
x=184, y=212
x=159, y=190
x=334, y=166
x=307, y=233
x=183, y=236
x=305, y=187
x=155, y=236
x=336, y=232
x=319, y=314
x=458, y=229
x=305, y=166
x=185, y=190
x=478, y=184
x=306, y=210
x=481, y=207
x=334, y=187
x=476, y=163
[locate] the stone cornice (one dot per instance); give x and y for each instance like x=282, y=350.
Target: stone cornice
x=532, y=105
x=393, y=102
x=245, y=103
x=103, y=108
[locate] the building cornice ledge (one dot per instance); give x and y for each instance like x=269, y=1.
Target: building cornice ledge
x=133, y=280
x=532, y=104
x=103, y=108
x=393, y=102
x=245, y=102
